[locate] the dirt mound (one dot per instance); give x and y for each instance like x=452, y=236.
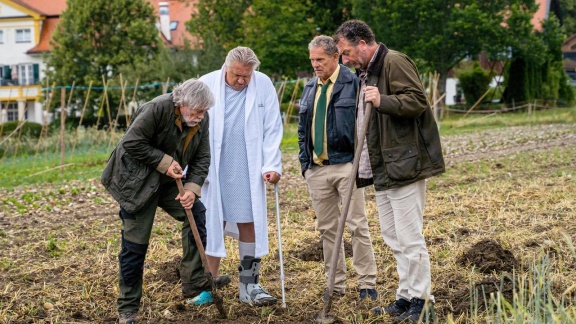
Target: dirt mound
x=169, y=271
x=488, y=256
x=313, y=251
x=458, y=300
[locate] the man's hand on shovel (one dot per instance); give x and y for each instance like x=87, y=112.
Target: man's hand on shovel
x=187, y=200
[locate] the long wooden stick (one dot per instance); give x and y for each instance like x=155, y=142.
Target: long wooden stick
x=217, y=298
x=81, y=117
x=346, y=205
x=13, y=132
x=477, y=102
x=62, y=127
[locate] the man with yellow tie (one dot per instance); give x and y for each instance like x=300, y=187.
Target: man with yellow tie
x=326, y=141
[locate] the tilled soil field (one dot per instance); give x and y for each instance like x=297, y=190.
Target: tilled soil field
x=507, y=200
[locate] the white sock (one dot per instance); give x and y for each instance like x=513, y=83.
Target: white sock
x=246, y=248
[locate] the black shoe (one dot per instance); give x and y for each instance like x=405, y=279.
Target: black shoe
x=395, y=308
x=418, y=307
x=221, y=281
x=130, y=317
x=372, y=293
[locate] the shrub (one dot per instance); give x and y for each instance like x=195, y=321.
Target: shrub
x=29, y=129
x=474, y=83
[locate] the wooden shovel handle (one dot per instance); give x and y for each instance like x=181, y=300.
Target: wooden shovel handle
x=194, y=229
x=345, y=206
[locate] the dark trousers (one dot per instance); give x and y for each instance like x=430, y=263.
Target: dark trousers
x=136, y=230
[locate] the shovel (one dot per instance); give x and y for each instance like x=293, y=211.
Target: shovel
x=324, y=316
x=217, y=299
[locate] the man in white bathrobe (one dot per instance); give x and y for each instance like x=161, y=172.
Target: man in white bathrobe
x=245, y=135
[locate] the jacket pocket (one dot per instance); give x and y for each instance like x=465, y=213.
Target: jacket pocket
x=402, y=162
x=344, y=122
x=132, y=179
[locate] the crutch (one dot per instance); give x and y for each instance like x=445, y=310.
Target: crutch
x=279, y=244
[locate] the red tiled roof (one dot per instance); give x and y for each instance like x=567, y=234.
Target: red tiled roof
x=44, y=7
x=48, y=28
x=180, y=11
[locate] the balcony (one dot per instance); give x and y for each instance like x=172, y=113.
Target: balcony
x=12, y=92
x=9, y=82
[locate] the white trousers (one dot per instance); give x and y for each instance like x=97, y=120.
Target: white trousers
x=400, y=213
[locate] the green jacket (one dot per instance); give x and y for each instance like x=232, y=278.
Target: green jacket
x=138, y=164
x=402, y=136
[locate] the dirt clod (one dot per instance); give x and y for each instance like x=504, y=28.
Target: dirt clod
x=488, y=256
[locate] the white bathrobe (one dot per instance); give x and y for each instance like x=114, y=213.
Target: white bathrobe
x=263, y=132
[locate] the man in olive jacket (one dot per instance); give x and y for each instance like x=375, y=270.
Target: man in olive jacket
x=167, y=140
x=402, y=150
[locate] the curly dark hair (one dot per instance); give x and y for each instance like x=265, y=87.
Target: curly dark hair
x=354, y=31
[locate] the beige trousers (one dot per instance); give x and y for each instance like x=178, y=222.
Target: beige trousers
x=400, y=212
x=327, y=186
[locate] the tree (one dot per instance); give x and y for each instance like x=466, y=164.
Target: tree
x=438, y=34
x=536, y=72
x=218, y=26
x=329, y=14
x=567, y=15
x=474, y=83
x=95, y=38
x=279, y=32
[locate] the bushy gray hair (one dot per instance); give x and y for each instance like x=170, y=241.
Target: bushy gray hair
x=326, y=42
x=194, y=94
x=242, y=55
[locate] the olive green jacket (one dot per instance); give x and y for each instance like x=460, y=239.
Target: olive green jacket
x=156, y=137
x=402, y=135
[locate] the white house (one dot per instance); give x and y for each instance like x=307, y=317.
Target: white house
x=26, y=28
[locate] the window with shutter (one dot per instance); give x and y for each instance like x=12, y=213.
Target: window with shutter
x=25, y=74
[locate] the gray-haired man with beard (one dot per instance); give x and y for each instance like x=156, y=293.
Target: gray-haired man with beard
x=167, y=140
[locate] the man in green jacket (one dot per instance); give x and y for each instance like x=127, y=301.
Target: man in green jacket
x=167, y=140
x=402, y=149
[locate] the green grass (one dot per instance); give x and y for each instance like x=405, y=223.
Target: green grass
x=25, y=162
x=459, y=123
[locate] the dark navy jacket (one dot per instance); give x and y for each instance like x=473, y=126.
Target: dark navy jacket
x=340, y=120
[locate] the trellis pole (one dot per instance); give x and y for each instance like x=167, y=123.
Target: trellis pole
x=129, y=118
x=67, y=102
x=291, y=103
x=44, y=129
x=81, y=117
x=104, y=98
x=62, y=127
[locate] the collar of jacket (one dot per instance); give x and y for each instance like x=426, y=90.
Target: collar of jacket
x=378, y=63
x=343, y=77
x=178, y=120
